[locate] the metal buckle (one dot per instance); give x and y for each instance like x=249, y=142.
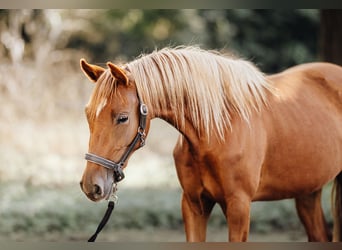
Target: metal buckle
x=143, y=109
x=118, y=174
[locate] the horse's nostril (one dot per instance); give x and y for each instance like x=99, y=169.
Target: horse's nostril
x=97, y=189
x=81, y=184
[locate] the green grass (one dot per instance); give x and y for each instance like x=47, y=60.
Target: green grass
x=43, y=210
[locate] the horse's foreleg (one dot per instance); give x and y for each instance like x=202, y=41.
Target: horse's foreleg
x=311, y=214
x=238, y=217
x=195, y=216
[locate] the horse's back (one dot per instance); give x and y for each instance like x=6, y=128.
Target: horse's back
x=325, y=77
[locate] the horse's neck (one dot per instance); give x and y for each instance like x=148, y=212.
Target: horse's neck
x=193, y=137
x=199, y=140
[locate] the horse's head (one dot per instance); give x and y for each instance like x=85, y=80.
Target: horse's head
x=117, y=123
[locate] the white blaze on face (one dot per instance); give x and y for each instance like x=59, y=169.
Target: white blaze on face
x=99, y=108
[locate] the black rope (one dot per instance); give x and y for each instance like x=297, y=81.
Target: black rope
x=104, y=220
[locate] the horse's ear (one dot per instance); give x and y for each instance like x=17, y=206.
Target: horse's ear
x=93, y=72
x=118, y=73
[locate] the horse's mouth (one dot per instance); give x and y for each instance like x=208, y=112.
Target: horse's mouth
x=98, y=195
x=94, y=197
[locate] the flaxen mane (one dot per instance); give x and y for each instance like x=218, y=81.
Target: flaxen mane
x=208, y=84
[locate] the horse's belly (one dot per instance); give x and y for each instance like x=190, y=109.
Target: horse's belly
x=277, y=189
x=304, y=147
x=300, y=170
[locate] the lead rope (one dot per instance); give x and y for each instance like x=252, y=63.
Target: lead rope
x=111, y=204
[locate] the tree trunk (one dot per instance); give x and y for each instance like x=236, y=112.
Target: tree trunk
x=331, y=36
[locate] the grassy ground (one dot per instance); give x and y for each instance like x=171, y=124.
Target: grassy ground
x=47, y=213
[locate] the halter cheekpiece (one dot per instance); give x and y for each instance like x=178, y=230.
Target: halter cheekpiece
x=140, y=136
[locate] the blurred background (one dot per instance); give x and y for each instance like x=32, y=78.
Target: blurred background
x=44, y=133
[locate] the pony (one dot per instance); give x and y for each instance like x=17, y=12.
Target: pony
x=244, y=136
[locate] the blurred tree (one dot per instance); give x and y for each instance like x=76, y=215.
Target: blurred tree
x=331, y=36
x=144, y=30
x=274, y=39
x=126, y=33
x=29, y=34
x=14, y=33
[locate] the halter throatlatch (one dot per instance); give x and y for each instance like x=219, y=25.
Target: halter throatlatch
x=117, y=167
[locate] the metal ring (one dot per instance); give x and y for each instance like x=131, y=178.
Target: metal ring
x=143, y=109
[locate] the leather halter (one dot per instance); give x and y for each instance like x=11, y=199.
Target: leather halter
x=117, y=167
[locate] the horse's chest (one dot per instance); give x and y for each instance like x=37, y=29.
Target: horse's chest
x=198, y=179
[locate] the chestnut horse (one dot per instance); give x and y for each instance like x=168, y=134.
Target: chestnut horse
x=243, y=137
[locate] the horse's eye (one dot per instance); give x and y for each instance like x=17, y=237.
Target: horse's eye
x=122, y=119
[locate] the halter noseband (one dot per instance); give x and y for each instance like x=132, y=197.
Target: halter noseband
x=117, y=167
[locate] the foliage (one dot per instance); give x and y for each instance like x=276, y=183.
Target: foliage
x=274, y=39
